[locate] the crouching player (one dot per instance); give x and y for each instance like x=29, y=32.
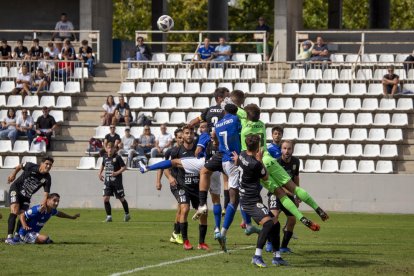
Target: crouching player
x=33, y=220
x=252, y=171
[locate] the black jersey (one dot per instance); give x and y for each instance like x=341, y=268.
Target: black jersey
x=112, y=164
x=292, y=167
x=5, y=51
x=112, y=139
x=182, y=177
x=21, y=52
x=211, y=149
x=212, y=115
x=251, y=171
x=31, y=180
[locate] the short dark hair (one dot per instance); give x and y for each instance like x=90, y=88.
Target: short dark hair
x=220, y=92
x=237, y=97
x=84, y=42
x=4, y=41
x=52, y=195
x=278, y=129
x=64, y=13
x=252, y=142
x=178, y=130
x=253, y=112
x=20, y=40
x=36, y=40
x=140, y=37
x=48, y=158
x=231, y=109
x=188, y=127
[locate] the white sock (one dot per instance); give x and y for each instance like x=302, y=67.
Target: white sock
x=276, y=254
x=9, y=236
x=248, y=227
x=258, y=252
x=109, y=216
x=223, y=232
x=216, y=230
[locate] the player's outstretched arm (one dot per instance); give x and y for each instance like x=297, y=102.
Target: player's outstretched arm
x=24, y=223
x=16, y=170
x=64, y=215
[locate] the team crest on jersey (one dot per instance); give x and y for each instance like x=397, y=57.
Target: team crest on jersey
x=43, y=180
x=272, y=197
x=29, y=212
x=260, y=205
x=13, y=193
x=181, y=192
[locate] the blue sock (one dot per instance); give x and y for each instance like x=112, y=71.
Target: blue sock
x=217, y=215
x=166, y=164
x=228, y=218
x=247, y=219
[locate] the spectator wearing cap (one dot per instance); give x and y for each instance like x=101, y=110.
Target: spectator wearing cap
x=25, y=126
x=162, y=143
x=5, y=50
x=45, y=125
x=390, y=82
x=305, y=50
x=128, y=146
x=146, y=141
x=112, y=137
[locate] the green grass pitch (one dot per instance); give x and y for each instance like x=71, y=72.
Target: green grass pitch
x=356, y=244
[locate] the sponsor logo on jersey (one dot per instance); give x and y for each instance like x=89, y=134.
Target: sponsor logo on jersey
x=13, y=193
x=43, y=180
x=260, y=205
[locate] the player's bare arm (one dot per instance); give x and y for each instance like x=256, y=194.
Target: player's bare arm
x=12, y=176
x=64, y=215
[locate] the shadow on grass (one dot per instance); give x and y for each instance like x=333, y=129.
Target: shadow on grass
x=337, y=263
x=334, y=252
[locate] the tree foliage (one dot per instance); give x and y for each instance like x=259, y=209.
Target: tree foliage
x=129, y=16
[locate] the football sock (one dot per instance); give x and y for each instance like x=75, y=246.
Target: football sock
x=217, y=215
x=108, y=208
x=203, y=197
x=226, y=198
x=258, y=252
x=12, y=224
x=228, y=218
x=246, y=218
x=184, y=230
x=288, y=204
x=266, y=229
x=177, y=228
x=125, y=205
x=286, y=238
x=166, y=164
x=202, y=231
x=305, y=197
x=274, y=237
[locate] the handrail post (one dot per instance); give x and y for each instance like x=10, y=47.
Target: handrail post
x=362, y=43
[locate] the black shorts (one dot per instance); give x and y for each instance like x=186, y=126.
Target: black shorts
x=16, y=197
x=257, y=211
x=186, y=194
x=215, y=163
x=112, y=189
x=275, y=204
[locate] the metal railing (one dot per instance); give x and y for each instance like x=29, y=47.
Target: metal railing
x=45, y=36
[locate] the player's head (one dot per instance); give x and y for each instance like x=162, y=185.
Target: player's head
x=253, y=142
x=253, y=112
x=237, y=96
x=287, y=149
x=220, y=94
x=203, y=127
x=110, y=148
x=178, y=134
x=230, y=109
x=46, y=164
x=53, y=200
x=188, y=134
x=277, y=134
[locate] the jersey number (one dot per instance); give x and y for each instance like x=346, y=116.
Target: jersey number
x=224, y=135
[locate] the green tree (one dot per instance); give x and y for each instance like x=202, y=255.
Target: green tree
x=129, y=16
x=402, y=14
x=355, y=14
x=315, y=14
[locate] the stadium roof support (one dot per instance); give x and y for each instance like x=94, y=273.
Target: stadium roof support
x=218, y=13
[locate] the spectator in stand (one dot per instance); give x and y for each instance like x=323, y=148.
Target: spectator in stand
x=142, y=51
x=40, y=82
x=390, y=82
x=305, y=51
x=409, y=62
x=65, y=67
x=112, y=137
x=45, y=125
x=8, y=126
x=205, y=52
x=320, y=51
x=146, y=141
x=128, y=146
x=122, y=113
x=25, y=126
x=68, y=48
x=36, y=51
x=162, y=143
x=23, y=82
x=52, y=50
x=64, y=26
x=86, y=55
x=47, y=65
x=109, y=111
x=222, y=51
x=20, y=51
x=261, y=26
x=5, y=50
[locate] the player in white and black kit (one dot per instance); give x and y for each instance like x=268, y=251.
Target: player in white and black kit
x=111, y=174
x=252, y=170
x=29, y=182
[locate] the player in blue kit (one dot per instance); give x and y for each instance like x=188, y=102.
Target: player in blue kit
x=274, y=148
x=34, y=219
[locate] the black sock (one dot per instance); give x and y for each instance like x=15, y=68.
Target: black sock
x=108, y=208
x=184, y=229
x=226, y=198
x=125, y=205
x=261, y=240
x=19, y=224
x=177, y=228
x=274, y=236
x=203, y=197
x=286, y=238
x=12, y=224
x=202, y=230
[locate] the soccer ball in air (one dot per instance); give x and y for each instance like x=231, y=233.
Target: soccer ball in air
x=165, y=23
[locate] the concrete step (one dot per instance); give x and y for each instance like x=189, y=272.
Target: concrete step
x=405, y=167
x=103, y=85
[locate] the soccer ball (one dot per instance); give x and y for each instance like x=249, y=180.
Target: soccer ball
x=165, y=23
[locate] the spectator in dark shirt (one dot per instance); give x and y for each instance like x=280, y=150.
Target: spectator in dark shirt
x=68, y=48
x=261, y=26
x=5, y=50
x=20, y=51
x=112, y=137
x=36, y=51
x=320, y=51
x=86, y=55
x=390, y=82
x=45, y=125
x=142, y=51
x=122, y=113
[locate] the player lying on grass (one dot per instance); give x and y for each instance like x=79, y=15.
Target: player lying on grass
x=252, y=170
x=34, y=219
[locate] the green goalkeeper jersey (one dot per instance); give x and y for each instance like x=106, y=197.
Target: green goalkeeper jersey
x=249, y=127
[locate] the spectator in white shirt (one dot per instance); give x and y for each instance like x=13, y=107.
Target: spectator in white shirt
x=109, y=111
x=8, y=126
x=25, y=126
x=64, y=26
x=23, y=82
x=52, y=50
x=128, y=146
x=162, y=143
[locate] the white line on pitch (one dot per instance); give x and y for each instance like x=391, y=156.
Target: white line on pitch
x=177, y=261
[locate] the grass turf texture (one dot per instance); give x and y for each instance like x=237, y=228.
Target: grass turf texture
x=347, y=244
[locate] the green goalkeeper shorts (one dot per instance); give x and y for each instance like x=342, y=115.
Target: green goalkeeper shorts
x=277, y=174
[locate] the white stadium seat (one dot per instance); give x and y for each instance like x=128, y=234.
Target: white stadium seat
x=279, y=118
x=177, y=118
x=369, y=58
x=375, y=89
x=216, y=74
x=386, y=58
x=174, y=58
x=364, y=74
x=99, y=162
x=176, y=88
x=152, y=103
x=185, y=103
x=252, y=100
x=312, y=119
x=314, y=74
x=371, y=150
x=302, y=104
x=232, y=74
x=7, y=86
x=201, y=102
x=387, y=104
x=136, y=102
x=14, y=101
x=306, y=133
x=336, y=150
x=346, y=119
x=366, y=166
x=290, y=133
x=307, y=89
x=324, y=89
x=21, y=146
x=13, y=72
x=323, y=134
x=296, y=118
x=341, y=134
x=143, y=87
x=399, y=119
x=394, y=135
x=329, y=119
x=192, y=88
x=348, y=166
x=330, y=74
x=58, y=115
x=358, y=89
x=341, y=89
x=353, y=104
x=192, y=115
x=32, y=159
x=56, y=87
x=64, y=102
x=86, y=163
x=10, y=162
x=159, y=57
x=291, y=88
x=285, y=103
x=227, y=85
x=376, y=134
x=183, y=74
x=248, y=74
x=359, y=134
x=239, y=57
x=254, y=59
x=297, y=74
x=405, y=104
x=312, y=166
x=168, y=103
x=101, y=131
x=48, y=101
x=381, y=119
x=243, y=86
x=364, y=119
x=379, y=73
x=346, y=74
x=301, y=150
x=208, y=87
x=159, y=88
x=4, y=72
x=384, y=167
x=319, y=104
x=72, y=87
x=335, y=104
x=31, y=101
x=151, y=73
x=2, y=102
x=353, y=150
x=318, y=150
x=134, y=73
x=161, y=117
x=329, y=166
x=265, y=117
x=167, y=73
x=274, y=88
x=352, y=58
x=258, y=88
x=369, y=104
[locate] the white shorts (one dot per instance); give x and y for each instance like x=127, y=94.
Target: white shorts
x=30, y=237
x=192, y=165
x=215, y=183
x=232, y=172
